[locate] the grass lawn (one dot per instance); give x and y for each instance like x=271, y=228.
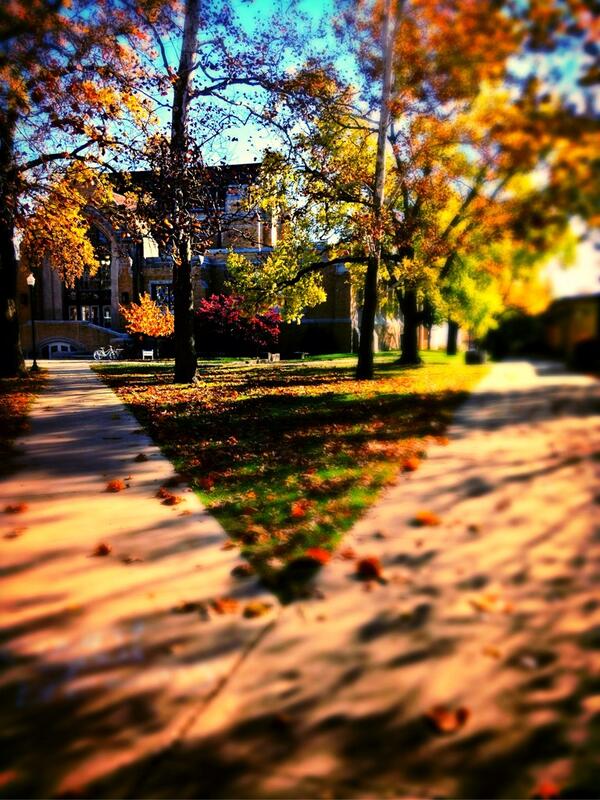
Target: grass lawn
x=17, y=395
x=288, y=455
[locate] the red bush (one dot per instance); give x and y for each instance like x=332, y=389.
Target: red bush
x=223, y=327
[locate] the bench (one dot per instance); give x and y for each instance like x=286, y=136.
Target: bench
x=147, y=355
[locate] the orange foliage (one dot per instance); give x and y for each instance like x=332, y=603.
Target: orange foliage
x=148, y=318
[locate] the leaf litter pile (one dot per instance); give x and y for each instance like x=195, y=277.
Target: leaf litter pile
x=288, y=456
x=17, y=396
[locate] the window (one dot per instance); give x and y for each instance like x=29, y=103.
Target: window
x=73, y=313
x=106, y=316
x=162, y=294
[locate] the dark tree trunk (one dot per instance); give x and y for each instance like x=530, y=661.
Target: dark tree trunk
x=409, y=355
x=185, y=347
x=364, y=367
x=11, y=355
x=452, y=342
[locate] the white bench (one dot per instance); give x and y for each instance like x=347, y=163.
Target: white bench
x=147, y=355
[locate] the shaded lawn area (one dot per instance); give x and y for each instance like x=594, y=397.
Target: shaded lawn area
x=288, y=455
x=16, y=397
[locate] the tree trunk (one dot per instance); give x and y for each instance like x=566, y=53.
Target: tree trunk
x=11, y=355
x=452, y=342
x=185, y=346
x=185, y=349
x=364, y=367
x=409, y=355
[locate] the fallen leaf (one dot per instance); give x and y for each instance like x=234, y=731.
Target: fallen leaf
x=474, y=528
x=242, y=571
x=163, y=493
x=14, y=534
x=348, y=554
x=425, y=518
x=491, y=602
x=318, y=554
x=132, y=560
x=256, y=608
x=369, y=568
x=8, y=776
x=173, y=500
x=228, y=545
x=116, y=485
x=491, y=651
x=16, y=508
x=186, y=607
x=410, y=464
x=225, y=605
x=448, y=720
x=300, y=508
x=102, y=549
x=545, y=790
x=206, y=483
x=141, y=457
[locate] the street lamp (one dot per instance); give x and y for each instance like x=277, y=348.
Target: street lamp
x=31, y=284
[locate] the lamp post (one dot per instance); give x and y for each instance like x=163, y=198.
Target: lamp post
x=31, y=284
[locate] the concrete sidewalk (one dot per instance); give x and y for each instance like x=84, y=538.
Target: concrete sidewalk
x=105, y=659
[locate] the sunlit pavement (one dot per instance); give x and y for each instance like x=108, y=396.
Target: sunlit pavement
x=107, y=692
x=103, y=663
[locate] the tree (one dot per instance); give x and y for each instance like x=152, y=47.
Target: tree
x=147, y=318
x=67, y=87
x=56, y=230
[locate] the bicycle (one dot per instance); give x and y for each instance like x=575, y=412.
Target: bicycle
x=104, y=353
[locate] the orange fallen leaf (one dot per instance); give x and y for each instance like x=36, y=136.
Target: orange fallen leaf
x=206, y=483
x=318, y=554
x=256, y=608
x=116, y=485
x=448, y=720
x=16, y=508
x=546, y=790
x=163, y=493
x=369, y=568
x=102, y=549
x=491, y=602
x=300, y=508
x=348, y=554
x=228, y=545
x=173, y=500
x=424, y=518
x=225, y=605
x=491, y=651
x=411, y=464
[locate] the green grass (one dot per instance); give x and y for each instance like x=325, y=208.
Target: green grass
x=288, y=455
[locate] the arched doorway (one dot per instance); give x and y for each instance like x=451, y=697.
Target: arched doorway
x=89, y=300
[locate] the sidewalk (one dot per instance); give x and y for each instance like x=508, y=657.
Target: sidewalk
x=103, y=663
x=106, y=692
